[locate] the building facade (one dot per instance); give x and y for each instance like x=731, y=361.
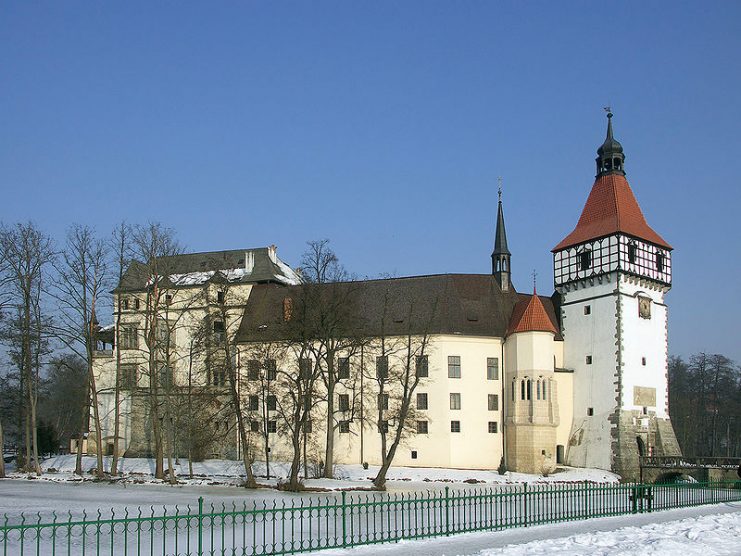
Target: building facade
x=478, y=374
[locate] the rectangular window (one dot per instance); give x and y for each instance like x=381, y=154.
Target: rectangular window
x=304, y=368
x=254, y=426
x=129, y=337
x=423, y=427
x=344, y=427
x=218, y=376
x=493, y=402
x=168, y=299
x=643, y=361
x=343, y=368
x=492, y=368
x=589, y=359
x=344, y=402
x=455, y=426
x=137, y=304
x=253, y=369
x=165, y=376
x=271, y=369
x=414, y=454
x=587, y=309
x=220, y=297
x=454, y=366
x=590, y=411
x=272, y=403
x=493, y=427
x=421, y=401
x=382, y=366
x=219, y=335
x=422, y=366
x=272, y=427
x=455, y=401
x=254, y=403
x=129, y=377
x=383, y=401
x=125, y=304
x=585, y=260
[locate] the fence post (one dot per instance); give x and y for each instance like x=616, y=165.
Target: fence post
x=344, y=521
x=447, y=511
x=524, y=488
x=200, y=526
x=586, y=500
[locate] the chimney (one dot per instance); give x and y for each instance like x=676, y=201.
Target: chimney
x=249, y=261
x=272, y=250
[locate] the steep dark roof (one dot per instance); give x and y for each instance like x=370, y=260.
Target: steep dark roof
x=500, y=239
x=197, y=268
x=465, y=304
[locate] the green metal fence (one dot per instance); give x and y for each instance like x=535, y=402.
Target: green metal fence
x=336, y=521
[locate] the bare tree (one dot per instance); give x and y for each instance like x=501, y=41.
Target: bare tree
x=225, y=322
x=81, y=281
x=119, y=246
x=154, y=246
x=26, y=253
x=328, y=297
x=401, y=364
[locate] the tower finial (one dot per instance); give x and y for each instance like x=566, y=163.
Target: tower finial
x=499, y=180
x=535, y=282
x=610, y=157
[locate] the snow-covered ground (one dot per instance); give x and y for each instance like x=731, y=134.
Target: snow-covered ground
x=702, y=531
x=231, y=473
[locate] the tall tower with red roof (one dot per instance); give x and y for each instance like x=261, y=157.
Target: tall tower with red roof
x=613, y=271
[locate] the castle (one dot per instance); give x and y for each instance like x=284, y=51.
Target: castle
x=499, y=376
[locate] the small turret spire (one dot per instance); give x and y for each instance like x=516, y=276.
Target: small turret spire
x=610, y=157
x=500, y=257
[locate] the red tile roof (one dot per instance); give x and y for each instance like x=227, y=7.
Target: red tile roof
x=610, y=208
x=529, y=315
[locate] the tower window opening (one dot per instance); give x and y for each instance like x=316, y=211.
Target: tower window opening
x=587, y=309
x=537, y=389
x=660, y=262
x=528, y=388
x=616, y=163
x=589, y=360
x=544, y=383
x=590, y=411
x=585, y=260
x=643, y=361
x=632, y=248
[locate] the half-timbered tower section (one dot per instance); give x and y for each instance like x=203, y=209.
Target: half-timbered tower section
x=612, y=272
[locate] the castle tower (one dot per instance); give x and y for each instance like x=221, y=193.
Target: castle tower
x=500, y=257
x=613, y=271
x=531, y=398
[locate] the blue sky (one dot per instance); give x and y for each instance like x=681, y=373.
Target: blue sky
x=382, y=126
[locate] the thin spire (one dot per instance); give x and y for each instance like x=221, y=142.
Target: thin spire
x=535, y=282
x=500, y=239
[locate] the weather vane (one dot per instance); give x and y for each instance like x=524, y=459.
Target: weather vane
x=535, y=277
x=608, y=109
x=499, y=179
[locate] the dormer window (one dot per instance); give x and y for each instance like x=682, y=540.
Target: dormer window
x=585, y=259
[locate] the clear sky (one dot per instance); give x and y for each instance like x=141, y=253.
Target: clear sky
x=383, y=126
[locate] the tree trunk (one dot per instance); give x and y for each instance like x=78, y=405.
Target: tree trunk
x=100, y=470
x=329, y=451
x=2, y=455
x=83, y=428
x=117, y=392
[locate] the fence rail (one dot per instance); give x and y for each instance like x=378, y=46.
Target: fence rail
x=338, y=521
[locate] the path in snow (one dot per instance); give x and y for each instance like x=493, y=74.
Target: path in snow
x=703, y=531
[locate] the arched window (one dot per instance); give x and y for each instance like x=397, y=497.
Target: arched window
x=529, y=388
x=522, y=389
x=514, y=387
x=544, y=383
x=537, y=389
